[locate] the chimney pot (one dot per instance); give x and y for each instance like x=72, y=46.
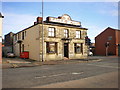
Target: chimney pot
x=39, y=19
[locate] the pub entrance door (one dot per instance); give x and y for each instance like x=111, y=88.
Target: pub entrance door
x=66, y=51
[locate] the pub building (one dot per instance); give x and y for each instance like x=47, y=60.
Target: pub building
x=53, y=39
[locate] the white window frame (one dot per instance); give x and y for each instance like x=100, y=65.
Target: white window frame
x=51, y=32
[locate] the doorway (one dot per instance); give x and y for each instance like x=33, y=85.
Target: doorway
x=118, y=50
x=66, y=52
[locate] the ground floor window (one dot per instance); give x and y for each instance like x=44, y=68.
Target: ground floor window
x=51, y=47
x=78, y=47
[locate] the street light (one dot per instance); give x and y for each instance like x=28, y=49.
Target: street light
x=107, y=45
x=42, y=35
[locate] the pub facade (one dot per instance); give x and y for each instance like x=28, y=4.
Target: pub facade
x=53, y=39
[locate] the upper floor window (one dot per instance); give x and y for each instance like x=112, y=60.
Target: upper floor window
x=110, y=38
x=78, y=34
x=25, y=33
x=15, y=37
x=19, y=35
x=51, y=32
x=22, y=35
x=66, y=34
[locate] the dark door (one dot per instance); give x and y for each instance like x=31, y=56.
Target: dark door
x=118, y=50
x=66, y=50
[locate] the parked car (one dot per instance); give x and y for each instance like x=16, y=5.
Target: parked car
x=10, y=55
x=90, y=54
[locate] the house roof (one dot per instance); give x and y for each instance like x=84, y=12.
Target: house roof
x=109, y=28
x=1, y=15
x=56, y=24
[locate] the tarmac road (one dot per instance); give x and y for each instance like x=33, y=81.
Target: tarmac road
x=64, y=73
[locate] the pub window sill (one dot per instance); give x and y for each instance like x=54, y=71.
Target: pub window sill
x=78, y=52
x=51, y=37
x=51, y=53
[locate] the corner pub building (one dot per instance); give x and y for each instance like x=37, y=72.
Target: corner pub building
x=62, y=38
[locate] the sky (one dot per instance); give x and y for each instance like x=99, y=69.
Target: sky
x=96, y=16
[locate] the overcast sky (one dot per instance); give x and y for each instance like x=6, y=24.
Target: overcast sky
x=96, y=16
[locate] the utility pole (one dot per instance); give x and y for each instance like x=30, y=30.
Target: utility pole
x=42, y=35
x=107, y=45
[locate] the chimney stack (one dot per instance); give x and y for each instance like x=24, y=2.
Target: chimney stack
x=39, y=20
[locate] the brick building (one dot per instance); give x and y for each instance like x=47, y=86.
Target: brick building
x=110, y=36
x=8, y=43
x=62, y=38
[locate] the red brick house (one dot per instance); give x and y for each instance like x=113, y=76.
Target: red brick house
x=112, y=36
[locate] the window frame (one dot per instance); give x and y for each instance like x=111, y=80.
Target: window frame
x=51, y=32
x=48, y=47
x=80, y=47
x=19, y=36
x=23, y=36
x=78, y=35
x=66, y=33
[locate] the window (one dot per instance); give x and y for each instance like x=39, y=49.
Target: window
x=78, y=34
x=78, y=47
x=25, y=33
x=51, y=47
x=66, y=34
x=51, y=32
x=19, y=35
x=15, y=37
x=110, y=38
x=22, y=35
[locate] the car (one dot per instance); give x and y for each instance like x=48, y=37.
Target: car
x=10, y=55
x=90, y=54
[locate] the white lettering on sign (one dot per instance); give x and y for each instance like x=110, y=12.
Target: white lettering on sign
x=64, y=19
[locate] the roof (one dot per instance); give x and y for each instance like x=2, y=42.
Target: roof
x=56, y=24
x=48, y=21
x=109, y=28
x=1, y=15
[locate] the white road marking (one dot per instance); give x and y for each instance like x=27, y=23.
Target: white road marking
x=75, y=73
x=55, y=75
x=40, y=77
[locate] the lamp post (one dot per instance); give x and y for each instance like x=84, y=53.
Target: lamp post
x=42, y=35
x=107, y=45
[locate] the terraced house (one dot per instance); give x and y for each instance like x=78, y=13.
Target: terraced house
x=52, y=39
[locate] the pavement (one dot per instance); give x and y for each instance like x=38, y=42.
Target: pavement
x=18, y=62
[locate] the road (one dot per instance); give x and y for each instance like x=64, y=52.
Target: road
x=64, y=75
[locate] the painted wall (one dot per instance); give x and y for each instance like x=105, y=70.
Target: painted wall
x=31, y=43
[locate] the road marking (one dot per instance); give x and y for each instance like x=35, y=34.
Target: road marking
x=50, y=75
x=40, y=77
x=55, y=75
x=75, y=73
